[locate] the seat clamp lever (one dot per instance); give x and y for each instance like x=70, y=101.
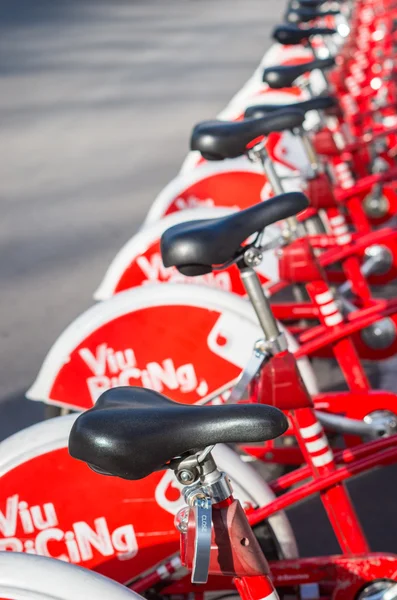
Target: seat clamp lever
x=202, y=544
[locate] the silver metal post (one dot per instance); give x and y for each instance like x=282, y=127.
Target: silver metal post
x=323, y=75
x=276, y=183
x=271, y=173
x=260, y=303
x=310, y=152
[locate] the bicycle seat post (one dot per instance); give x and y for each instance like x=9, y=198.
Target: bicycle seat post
x=275, y=340
x=316, y=56
x=216, y=537
x=206, y=487
x=310, y=152
x=259, y=152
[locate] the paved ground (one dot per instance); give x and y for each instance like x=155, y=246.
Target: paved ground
x=97, y=101
x=96, y=105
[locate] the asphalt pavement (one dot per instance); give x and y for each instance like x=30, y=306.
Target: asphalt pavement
x=97, y=102
x=96, y=105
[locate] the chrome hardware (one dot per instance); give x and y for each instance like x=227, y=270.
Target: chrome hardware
x=343, y=425
x=271, y=173
x=202, y=544
x=210, y=487
x=274, y=180
x=258, y=358
x=260, y=303
x=379, y=590
x=384, y=422
x=220, y=489
x=263, y=350
x=186, y=476
x=204, y=478
x=379, y=260
x=375, y=206
x=192, y=468
x=379, y=335
x=253, y=257
x=276, y=345
x=276, y=242
x=379, y=165
x=181, y=519
x=216, y=486
x=259, y=154
x=378, y=424
x=310, y=153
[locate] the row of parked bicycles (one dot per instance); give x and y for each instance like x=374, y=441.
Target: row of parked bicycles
x=281, y=222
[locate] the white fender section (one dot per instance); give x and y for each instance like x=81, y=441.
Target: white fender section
x=317, y=82
x=278, y=54
x=260, y=93
x=33, y=441
x=110, y=525
x=224, y=183
x=139, y=261
x=29, y=577
x=46, y=445
x=186, y=344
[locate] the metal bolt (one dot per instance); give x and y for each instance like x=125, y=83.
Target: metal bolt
x=186, y=476
x=253, y=257
x=375, y=206
x=181, y=519
x=379, y=335
x=261, y=346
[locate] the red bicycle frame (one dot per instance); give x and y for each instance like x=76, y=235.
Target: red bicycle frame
x=341, y=576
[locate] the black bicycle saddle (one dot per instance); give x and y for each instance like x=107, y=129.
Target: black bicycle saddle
x=304, y=15
x=285, y=75
x=195, y=247
x=289, y=35
x=318, y=103
x=132, y=432
x=217, y=140
x=312, y=3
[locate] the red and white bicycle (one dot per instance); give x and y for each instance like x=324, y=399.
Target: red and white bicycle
x=219, y=343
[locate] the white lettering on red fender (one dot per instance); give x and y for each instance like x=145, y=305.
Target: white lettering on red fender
x=106, y=358
x=155, y=271
x=123, y=370
x=193, y=202
x=79, y=542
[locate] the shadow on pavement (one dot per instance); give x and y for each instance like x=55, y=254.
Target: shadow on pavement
x=17, y=413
